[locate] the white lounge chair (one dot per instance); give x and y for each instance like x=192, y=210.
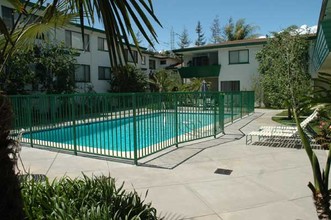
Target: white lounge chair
x=303, y=124
x=279, y=132
x=273, y=135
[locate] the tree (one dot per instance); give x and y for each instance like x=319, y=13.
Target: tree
x=283, y=65
x=50, y=66
x=184, y=40
x=118, y=17
x=216, y=31
x=239, y=31
x=164, y=81
x=128, y=79
x=201, y=38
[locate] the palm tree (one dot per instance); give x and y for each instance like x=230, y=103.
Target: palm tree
x=239, y=31
x=165, y=80
x=119, y=18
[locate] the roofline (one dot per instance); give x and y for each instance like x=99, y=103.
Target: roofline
x=31, y=4
x=100, y=31
x=322, y=13
x=225, y=44
x=236, y=43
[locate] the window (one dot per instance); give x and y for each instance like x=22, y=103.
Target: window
x=104, y=73
x=200, y=61
x=152, y=65
x=74, y=40
x=163, y=62
x=8, y=17
x=230, y=86
x=133, y=58
x=143, y=60
x=102, y=44
x=238, y=56
x=82, y=73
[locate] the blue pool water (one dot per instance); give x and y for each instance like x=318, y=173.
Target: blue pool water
x=118, y=134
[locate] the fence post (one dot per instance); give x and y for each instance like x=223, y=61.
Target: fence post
x=241, y=104
x=134, y=105
x=29, y=104
x=221, y=109
x=176, y=118
x=73, y=118
x=215, y=117
x=232, y=111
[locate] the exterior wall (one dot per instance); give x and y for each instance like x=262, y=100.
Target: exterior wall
x=245, y=73
x=95, y=58
x=231, y=72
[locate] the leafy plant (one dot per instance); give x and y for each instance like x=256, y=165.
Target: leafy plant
x=50, y=67
x=83, y=198
x=283, y=65
x=320, y=185
x=128, y=79
x=164, y=81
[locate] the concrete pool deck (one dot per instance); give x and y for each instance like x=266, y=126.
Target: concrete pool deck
x=265, y=183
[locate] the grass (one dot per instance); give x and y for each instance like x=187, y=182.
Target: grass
x=282, y=118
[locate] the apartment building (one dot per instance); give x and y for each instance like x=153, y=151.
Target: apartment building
x=227, y=66
x=93, y=69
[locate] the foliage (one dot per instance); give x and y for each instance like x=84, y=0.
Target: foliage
x=193, y=86
x=216, y=31
x=184, y=40
x=30, y=28
x=10, y=200
x=201, y=38
x=49, y=65
x=128, y=79
x=283, y=65
x=320, y=186
x=164, y=81
x=239, y=31
x=85, y=198
x=323, y=136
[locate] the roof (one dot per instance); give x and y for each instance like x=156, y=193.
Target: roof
x=235, y=43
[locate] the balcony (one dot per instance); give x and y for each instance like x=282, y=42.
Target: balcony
x=200, y=71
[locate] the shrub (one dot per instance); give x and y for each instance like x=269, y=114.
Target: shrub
x=82, y=198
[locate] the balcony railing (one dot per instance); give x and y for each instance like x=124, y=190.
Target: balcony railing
x=200, y=71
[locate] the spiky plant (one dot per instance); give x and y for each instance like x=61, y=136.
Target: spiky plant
x=320, y=186
x=11, y=206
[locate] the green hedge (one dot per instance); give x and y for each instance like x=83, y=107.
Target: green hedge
x=82, y=198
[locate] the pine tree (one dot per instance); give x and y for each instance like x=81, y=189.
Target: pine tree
x=216, y=31
x=184, y=40
x=201, y=38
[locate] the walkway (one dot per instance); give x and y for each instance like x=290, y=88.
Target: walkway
x=266, y=183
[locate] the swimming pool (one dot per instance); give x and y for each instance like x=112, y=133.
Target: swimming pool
x=121, y=135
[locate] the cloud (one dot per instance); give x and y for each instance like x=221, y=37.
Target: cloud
x=305, y=29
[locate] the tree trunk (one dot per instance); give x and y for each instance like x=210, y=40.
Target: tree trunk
x=289, y=113
x=322, y=204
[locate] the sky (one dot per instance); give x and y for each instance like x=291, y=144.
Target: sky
x=269, y=15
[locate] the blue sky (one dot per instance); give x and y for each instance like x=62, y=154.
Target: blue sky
x=268, y=15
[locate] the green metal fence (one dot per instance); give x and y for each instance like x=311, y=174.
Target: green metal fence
x=128, y=126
